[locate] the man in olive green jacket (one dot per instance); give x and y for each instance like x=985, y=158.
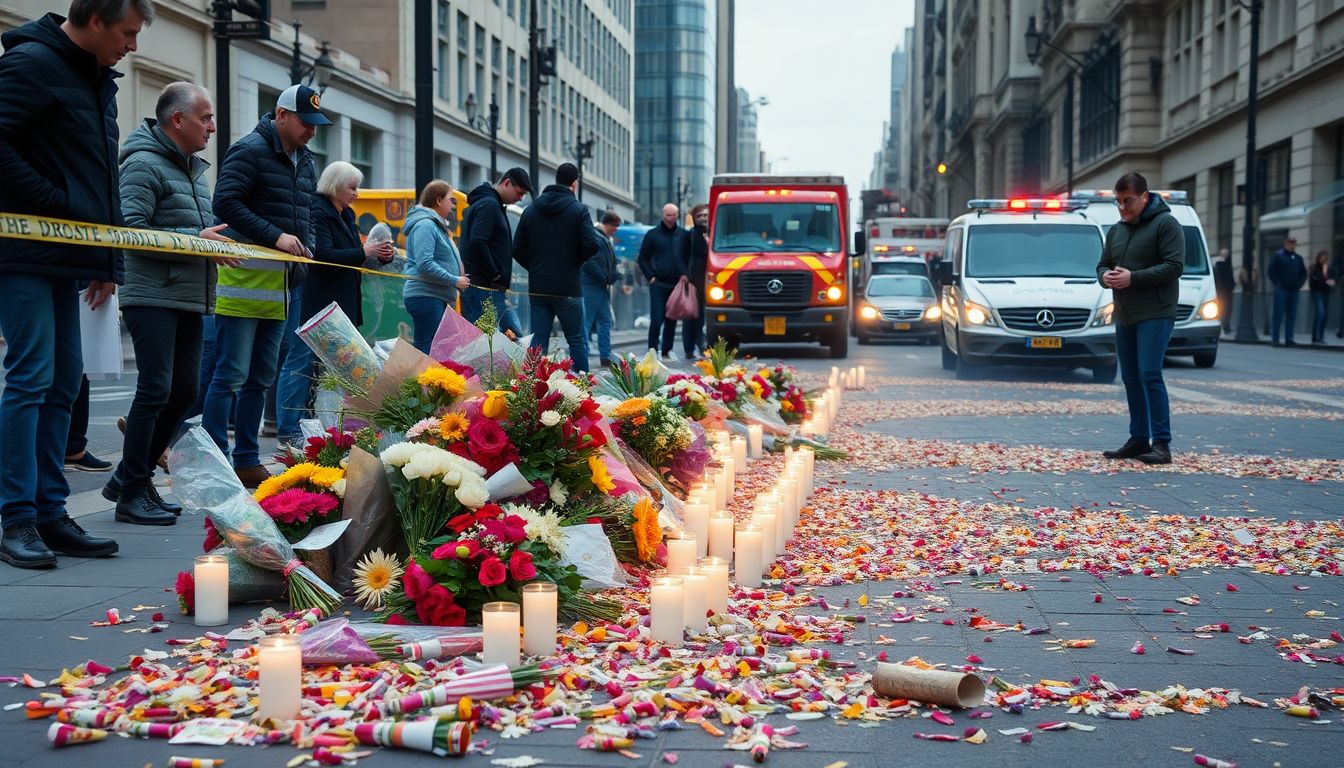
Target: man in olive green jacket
x=1142, y=264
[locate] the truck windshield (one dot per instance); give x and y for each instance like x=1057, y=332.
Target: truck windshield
x=1033, y=250
x=892, y=285
x=777, y=227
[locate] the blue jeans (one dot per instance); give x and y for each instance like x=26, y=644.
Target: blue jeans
x=294, y=387
x=207, y=365
x=597, y=317
x=473, y=305
x=1285, y=308
x=659, y=293
x=247, y=353
x=1320, y=301
x=569, y=310
x=44, y=365
x=1141, y=348
x=426, y=313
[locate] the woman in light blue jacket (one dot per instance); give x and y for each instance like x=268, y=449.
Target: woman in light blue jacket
x=433, y=263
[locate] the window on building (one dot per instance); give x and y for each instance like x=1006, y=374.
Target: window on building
x=1186, y=185
x=1273, y=177
x=480, y=65
x=1337, y=234
x=444, y=54
x=463, y=45
x=362, y=142
x=1099, y=123
x=1226, y=39
x=1186, y=42
x=1225, y=190
x=1280, y=22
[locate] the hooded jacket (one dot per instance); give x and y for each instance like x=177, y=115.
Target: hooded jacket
x=432, y=261
x=600, y=271
x=485, y=239
x=164, y=188
x=58, y=148
x=554, y=239
x=665, y=254
x=1153, y=250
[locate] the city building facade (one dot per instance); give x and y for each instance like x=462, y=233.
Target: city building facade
x=748, y=150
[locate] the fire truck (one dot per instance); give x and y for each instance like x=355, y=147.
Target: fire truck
x=778, y=260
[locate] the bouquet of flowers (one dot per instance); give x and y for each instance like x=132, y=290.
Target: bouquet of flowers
x=793, y=405
x=630, y=376
x=431, y=485
x=631, y=524
x=689, y=395
x=427, y=395
x=247, y=584
x=654, y=428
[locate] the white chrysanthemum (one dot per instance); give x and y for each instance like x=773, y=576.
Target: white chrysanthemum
x=376, y=576
x=397, y=455
x=473, y=493
x=567, y=389
x=550, y=418
x=559, y=495
x=543, y=527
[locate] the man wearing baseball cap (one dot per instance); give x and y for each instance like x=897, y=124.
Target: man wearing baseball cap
x=264, y=195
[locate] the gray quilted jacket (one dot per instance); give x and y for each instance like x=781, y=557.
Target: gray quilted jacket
x=162, y=188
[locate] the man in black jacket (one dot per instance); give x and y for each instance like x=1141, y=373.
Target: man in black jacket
x=486, y=247
x=1223, y=282
x=664, y=258
x=1141, y=263
x=1287, y=272
x=54, y=70
x=554, y=239
x=599, y=274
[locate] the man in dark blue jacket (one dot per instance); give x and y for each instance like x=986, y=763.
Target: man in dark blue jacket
x=1287, y=272
x=664, y=258
x=58, y=158
x=555, y=238
x=486, y=246
x=599, y=274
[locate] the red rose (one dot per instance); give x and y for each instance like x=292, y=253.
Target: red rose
x=465, y=371
x=186, y=592
x=437, y=608
x=314, y=447
x=458, y=550
x=588, y=409
x=397, y=619
x=492, y=572
x=416, y=582
x=490, y=447
x=212, y=537
x=520, y=565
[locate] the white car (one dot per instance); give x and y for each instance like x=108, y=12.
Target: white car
x=1020, y=288
x=1197, y=323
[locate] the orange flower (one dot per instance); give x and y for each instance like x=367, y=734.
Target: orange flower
x=495, y=406
x=648, y=534
x=453, y=427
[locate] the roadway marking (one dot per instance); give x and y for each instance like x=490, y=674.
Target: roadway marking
x=909, y=356
x=1181, y=393
x=1291, y=394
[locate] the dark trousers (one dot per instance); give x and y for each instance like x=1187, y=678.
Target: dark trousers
x=473, y=305
x=693, y=330
x=77, y=439
x=1141, y=348
x=1225, y=309
x=569, y=311
x=659, y=293
x=167, y=356
x=1285, y=309
x=39, y=318
x=597, y=317
x=1320, y=303
x=426, y=313
x=247, y=355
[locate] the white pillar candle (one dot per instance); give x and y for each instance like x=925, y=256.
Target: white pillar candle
x=773, y=504
x=768, y=522
x=499, y=629
x=739, y=452
x=697, y=524
x=682, y=551
x=721, y=534
x=755, y=434
x=747, y=555
x=694, y=582
x=541, y=604
x=835, y=375
x=722, y=485
x=716, y=589
x=666, y=610
x=279, y=677
x=212, y=590
x=810, y=461
x=863, y=377
x=788, y=488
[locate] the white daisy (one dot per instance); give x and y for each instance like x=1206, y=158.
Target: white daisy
x=376, y=576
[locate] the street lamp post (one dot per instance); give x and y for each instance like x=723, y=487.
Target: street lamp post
x=771, y=168
x=583, y=150
x=542, y=66
x=318, y=74
x=489, y=126
x=1034, y=41
x=1246, y=318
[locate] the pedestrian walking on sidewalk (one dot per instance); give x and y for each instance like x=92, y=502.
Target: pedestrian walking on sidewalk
x=1141, y=263
x=693, y=330
x=487, y=248
x=264, y=193
x=433, y=263
x=58, y=158
x=1287, y=272
x=163, y=186
x=599, y=274
x=1322, y=282
x=1224, y=282
x=555, y=238
x=664, y=258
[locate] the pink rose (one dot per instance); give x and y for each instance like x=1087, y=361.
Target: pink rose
x=520, y=565
x=492, y=572
x=415, y=581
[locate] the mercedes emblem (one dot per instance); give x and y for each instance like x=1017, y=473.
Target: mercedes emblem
x=776, y=285
x=1045, y=318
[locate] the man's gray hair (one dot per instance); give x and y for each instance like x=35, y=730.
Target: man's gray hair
x=338, y=176
x=110, y=11
x=177, y=97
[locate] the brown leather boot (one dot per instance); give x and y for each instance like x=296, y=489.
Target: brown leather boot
x=252, y=476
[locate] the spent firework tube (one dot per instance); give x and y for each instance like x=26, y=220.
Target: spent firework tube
x=759, y=744
x=463, y=711
x=194, y=762
x=89, y=718
x=439, y=648
x=440, y=738
x=1213, y=762
x=64, y=735
x=151, y=730
x=492, y=682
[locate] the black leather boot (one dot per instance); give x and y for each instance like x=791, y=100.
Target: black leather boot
x=1160, y=454
x=166, y=506
x=22, y=547
x=1132, y=449
x=65, y=536
x=112, y=490
x=138, y=508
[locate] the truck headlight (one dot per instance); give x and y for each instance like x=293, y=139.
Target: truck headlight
x=1105, y=316
x=933, y=312
x=716, y=293
x=978, y=315
x=1209, y=311
x=868, y=312
x=835, y=293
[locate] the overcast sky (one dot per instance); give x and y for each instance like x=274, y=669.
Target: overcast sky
x=826, y=68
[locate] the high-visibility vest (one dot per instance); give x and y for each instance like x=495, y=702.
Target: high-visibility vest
x=257, y=289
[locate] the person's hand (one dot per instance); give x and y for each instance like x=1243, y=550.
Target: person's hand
x=381, y=251
x=1116, y=278
x=463, y=282
x=652, y=280
x=291, y=245
x=389, y=253
x=214, y=233
x=98, y=293
x=1330, y=281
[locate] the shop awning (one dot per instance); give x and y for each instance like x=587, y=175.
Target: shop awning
x=1298, y=216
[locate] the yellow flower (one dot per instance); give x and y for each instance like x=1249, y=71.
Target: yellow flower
x=632, y=407
x=453, y=427
x=647, y=365
x=288, y=479
x=495, y=405
x=648, y=534
x=375, y=577
x=601, y=477
x=326, y=477
x=756, y=388
x=706, y=367
x=786, y=406
x=443, y=379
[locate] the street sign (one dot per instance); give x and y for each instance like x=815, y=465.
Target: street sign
x=243, y=30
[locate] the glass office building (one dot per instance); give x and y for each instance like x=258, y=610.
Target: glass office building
x=674, y=102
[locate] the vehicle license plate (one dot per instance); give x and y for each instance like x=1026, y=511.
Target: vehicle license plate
x=902, y=326
x=1045, y=342
x=774, y=326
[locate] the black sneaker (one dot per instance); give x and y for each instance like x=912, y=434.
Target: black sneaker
x=87, y=462
x=65, y=536
x=22, y=547
x=1132, y=449
x=1160, y=454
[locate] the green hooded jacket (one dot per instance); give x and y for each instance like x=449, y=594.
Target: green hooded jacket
x=1153, y=250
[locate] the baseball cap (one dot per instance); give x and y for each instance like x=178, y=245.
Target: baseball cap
x=519, y=178
x=305, y=103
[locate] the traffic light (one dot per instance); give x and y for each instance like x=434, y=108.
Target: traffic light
x=546, y=62
x=257, y=9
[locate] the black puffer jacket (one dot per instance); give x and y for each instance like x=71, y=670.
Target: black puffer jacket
x=262, y=194
x=58, y=148
x=555, y=237
x=485, y=241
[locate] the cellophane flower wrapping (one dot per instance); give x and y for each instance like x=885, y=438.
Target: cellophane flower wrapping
x=459, y=340
x=334, y=642
x=672, y=510
x=203, y=479
x=338, y=344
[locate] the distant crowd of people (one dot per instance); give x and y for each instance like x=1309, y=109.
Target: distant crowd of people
x=1288, y=272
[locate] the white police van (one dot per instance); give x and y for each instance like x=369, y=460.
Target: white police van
x=1020, y=288
x=1197, y=323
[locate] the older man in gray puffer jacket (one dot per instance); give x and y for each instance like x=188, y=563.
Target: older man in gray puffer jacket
x=163, y=187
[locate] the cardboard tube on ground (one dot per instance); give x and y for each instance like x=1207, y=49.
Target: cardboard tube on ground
x=930, y=686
